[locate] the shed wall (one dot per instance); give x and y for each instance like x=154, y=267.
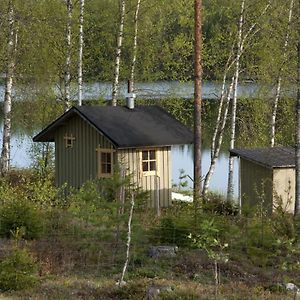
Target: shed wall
x=159, y=185
x=256, y=184
x=284, y=187
x=78, y=164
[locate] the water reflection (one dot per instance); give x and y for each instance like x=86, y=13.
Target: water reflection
x=182, y=158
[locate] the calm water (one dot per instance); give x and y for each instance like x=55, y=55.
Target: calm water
x=149, y=90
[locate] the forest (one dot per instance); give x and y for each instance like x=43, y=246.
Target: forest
x=85, y=244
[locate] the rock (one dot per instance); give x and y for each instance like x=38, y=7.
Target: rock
x=292, y=287
x=155, y=290
x=162, y=251
x=123, y=283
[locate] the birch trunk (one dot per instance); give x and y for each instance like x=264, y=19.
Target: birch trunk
x=10, y=67
x=197, y=103
x=134, y=50
x=279, y=79
x=68, y=56
x=80, y=52
x=115, y=86
x=121, y=282
x=218, y=141
x=230, y=187
x=297, y=184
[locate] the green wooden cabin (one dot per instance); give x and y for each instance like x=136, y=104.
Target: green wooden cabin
x=91, y=140
x=267, y=175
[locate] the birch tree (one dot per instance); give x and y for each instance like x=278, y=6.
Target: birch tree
x=134, y=50
x=80, y=52
x=234, y=100
x=197, y=101
x=297, y=158
x=279, y=78
x=10, y=68
x=67, y=77
x=115, y=86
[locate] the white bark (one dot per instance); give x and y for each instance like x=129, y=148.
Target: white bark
x=115, y=86
x=67, y=78
x=128, y=241
x=234, y=100
x=10, y=68
x=218, y=140
x=134, y=50
x=80, y=52
x=279, y=79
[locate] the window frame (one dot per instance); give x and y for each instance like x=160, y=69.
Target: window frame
x=101, y=151
x=149, y=172
x=69, y=140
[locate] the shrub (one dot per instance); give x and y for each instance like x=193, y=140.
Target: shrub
x=17, y=271
x=17, y=214
x=171, y=233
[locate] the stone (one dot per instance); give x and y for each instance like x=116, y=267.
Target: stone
x=162, y=251
x=155, y=290
x=292, y=287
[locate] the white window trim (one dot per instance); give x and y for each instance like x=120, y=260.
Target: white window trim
x=99, y=162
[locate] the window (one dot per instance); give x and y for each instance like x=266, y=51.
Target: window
x=149, y=161
x=69, y=141
x=105, y=162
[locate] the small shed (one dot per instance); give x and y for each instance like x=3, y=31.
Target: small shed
x=266, y=175
x=90, y=141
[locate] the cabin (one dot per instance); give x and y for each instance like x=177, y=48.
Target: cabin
x=265, y=176
x=91, y=141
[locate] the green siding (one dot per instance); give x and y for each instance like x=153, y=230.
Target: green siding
x=256, y=184
x=78, y=164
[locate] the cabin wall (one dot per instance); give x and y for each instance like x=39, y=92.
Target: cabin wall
x=284, y=188
x=256, y=184
x=159, y=185
x=78, y=164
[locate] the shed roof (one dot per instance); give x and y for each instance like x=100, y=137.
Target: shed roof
x=276, y=157
x=126, y=128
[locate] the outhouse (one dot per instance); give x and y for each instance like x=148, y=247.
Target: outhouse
x=267, y=177
x=90, y=141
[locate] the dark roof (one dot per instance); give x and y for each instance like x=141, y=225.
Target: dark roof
x=127, y=128
x=276, y=157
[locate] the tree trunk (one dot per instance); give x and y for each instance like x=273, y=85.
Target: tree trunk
x=121, y=282
x=134, y=50
x=297, y=184
x=115, y=86
x=197, y=102
x=67, y=78
x=279, y=79
x=80, y=52
x=218, y=140
x=10, y=68
x=230, y=188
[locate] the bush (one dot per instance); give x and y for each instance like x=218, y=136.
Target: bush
x=20, y=214
x=171, y=233
x=18, y=271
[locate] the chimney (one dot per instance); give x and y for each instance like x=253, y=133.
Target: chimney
x=130, y=96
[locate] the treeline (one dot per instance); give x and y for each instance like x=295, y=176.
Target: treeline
x=165, y=39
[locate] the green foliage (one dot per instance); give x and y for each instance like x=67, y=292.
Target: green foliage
x=18, y=271
x=172, y=233
x=20, y=214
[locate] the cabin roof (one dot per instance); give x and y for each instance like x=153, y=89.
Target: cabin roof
x=276, y=157
x=126, y=128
